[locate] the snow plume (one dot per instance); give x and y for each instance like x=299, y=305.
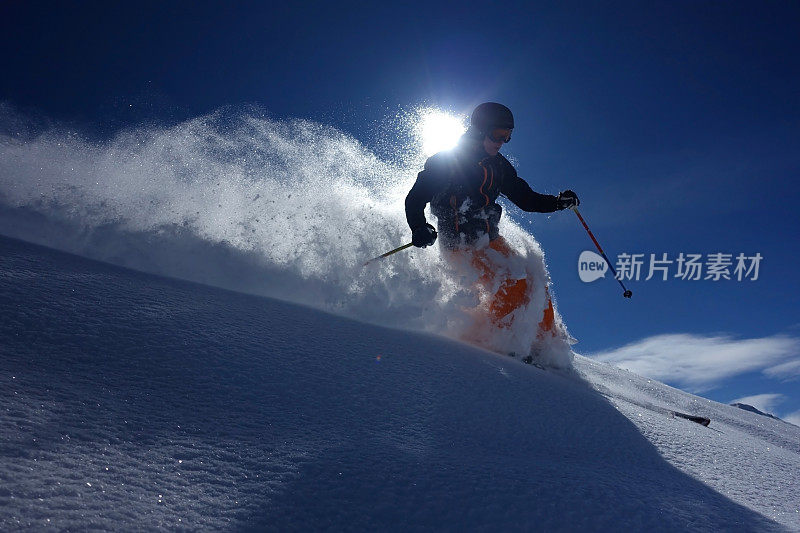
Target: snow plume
x=287, y=209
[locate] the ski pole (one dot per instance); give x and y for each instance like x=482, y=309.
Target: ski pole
x=398, y=249
x=627, y=293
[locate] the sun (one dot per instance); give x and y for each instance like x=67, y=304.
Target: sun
x=438, y=130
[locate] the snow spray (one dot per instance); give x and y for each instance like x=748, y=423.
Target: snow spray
x=289, y=209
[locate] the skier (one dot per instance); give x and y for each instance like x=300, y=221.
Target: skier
x=462, y=186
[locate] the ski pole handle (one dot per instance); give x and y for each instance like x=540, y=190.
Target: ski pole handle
x=627, y=293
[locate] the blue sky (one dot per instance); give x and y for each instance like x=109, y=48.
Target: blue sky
x=677, y=123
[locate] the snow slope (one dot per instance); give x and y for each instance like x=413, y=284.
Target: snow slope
x=131, y=401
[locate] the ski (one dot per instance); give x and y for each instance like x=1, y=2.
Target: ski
x=528, y=360
x=703, y=421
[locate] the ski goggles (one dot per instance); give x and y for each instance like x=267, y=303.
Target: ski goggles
x=500, y=135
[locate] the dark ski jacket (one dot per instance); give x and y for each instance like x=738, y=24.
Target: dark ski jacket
x=462, y=186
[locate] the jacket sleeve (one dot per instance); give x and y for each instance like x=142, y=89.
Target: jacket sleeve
x=518, y=191
x=428, y=182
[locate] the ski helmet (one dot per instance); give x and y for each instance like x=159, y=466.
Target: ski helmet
x=491, y=115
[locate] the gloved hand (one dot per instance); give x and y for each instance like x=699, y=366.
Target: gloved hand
x=423, y=236
x=568, y=199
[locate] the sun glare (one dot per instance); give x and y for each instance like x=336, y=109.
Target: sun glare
x=439, y=131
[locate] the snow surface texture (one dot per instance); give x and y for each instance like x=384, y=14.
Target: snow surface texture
x=130, y=401
x=290, y=210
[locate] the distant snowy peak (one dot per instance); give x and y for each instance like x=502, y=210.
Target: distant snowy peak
x=752, y=409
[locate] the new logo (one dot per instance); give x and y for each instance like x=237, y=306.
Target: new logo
x=591, y=266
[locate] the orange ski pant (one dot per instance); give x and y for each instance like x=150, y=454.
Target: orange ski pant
x=513, y=293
